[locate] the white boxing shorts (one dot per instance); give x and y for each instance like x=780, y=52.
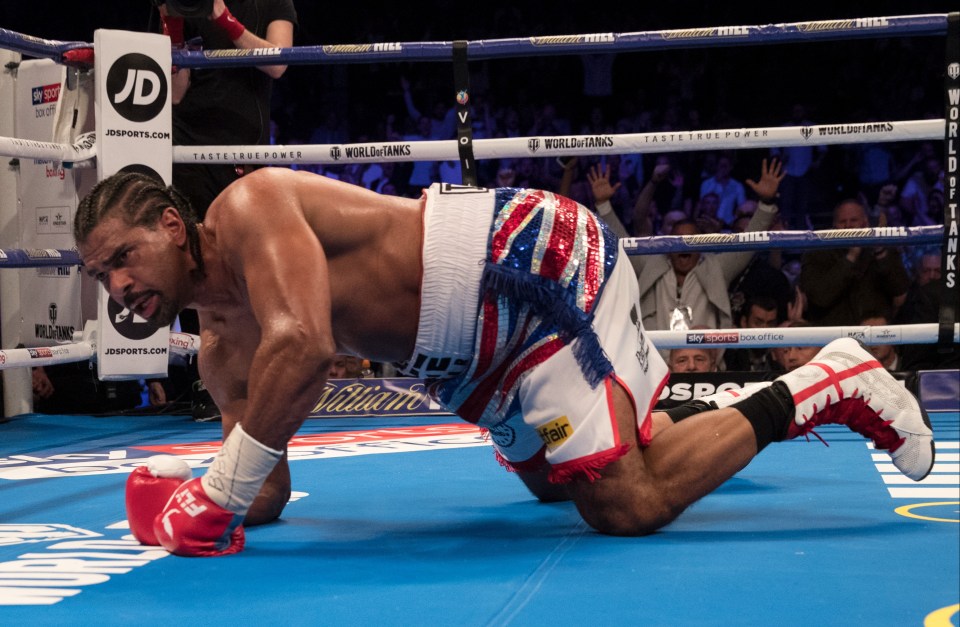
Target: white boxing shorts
x=526, y=336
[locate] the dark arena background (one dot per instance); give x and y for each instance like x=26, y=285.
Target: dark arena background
x=407, y=518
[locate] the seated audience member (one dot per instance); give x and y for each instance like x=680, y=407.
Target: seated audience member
x=693, y=360
x=742, y=218
x=924, y=289
x=791, y=270
x=792, y=357
x=915, y=197
x=927, y=267
x=705, y=214
x=843, y=283
x=730, y=192
x=345, y=367
x=923, y=306
x=886, y=354
x=764, y=275
x=668, y=188
x=760, y=312
x=886, y=210
x=669, y=219
x=645, y=209
x=692, y=285
x=935, y=205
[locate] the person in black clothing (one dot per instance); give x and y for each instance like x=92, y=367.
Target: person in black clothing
x=843, y=284
x=73, y=388
x=922, y=306
x=220, y=106
x=225, y=106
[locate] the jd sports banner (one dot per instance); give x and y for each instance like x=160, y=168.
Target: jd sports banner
x=133, y=134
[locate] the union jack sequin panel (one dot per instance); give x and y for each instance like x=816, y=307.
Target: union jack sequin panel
x=548, y=258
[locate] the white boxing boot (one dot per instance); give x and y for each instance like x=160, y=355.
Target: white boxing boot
x=845, y=385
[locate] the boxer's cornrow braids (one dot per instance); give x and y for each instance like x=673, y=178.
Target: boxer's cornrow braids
x=140, y=200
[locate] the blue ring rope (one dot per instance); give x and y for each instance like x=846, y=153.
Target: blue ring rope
x=917, y=25
x=780, y=240
x=861, y=28
x=38, y=257
x=711, y=242
x=714, y=36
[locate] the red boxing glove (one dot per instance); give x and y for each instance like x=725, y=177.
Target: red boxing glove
x=230, y=25
x=149, y=487
x=173, y=28
x=193, y=525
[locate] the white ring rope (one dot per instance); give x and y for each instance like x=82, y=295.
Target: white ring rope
x=509, y=147
x=181, y=344
x=673, y=141
x=798, y=336
x=83, y=149
x=46, y=355
x=186, y=344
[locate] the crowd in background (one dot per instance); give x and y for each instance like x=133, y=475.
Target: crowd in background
x=822, y=186
x=818, y=186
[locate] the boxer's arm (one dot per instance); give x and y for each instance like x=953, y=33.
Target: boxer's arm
x=276, y=260
x=284, y=269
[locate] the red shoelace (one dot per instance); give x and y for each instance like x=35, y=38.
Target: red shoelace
x=858, y=416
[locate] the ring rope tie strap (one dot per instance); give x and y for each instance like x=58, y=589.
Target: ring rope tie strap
x=461, y=86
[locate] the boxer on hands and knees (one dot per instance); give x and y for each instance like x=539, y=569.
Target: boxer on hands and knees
x=518, y=306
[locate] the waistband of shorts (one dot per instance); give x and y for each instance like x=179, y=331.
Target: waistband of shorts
x=456, y=227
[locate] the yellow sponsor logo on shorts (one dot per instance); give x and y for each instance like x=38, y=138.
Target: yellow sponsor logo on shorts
x=555, y=432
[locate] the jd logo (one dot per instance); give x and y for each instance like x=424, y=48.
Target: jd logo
x=136, y=87
x=129, y=324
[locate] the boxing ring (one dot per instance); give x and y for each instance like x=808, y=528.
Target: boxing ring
x=406, y=519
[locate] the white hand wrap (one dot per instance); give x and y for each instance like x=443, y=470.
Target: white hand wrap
x=238, y=471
